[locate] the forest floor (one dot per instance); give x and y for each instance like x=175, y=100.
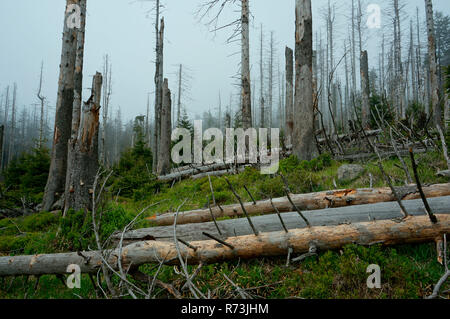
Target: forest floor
x=407, y=271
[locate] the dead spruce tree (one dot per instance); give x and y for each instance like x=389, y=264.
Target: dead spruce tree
x=84, y=161
x=163, y=167
x=435, y=101
x=303, y=135
x=365, y=90
x=159, y=73
x=63, y=117
x=289, y=94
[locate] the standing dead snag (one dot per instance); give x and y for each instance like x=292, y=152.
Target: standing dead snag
x=245, y=65
x=63, y=117
x=435, y=94
x=365, y=88
x=84, y=162
x=289, y=94
x=303, y=135
x=163, y=167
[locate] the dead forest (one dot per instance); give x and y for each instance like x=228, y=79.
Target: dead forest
x=363, y=113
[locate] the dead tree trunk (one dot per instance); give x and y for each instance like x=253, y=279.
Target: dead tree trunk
x=159, y=31
x=84, y=161
x=291, y=220
x=312, y=201
x=303, y=136
x=166, y=131
x=63, y=118
x=245, y=65
x=365, y=90
x=261, y=78
x=289, y=95
x=435, y=102
x=42, y=100
x=387, y=232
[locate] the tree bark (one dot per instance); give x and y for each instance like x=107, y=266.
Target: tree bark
x=289, y=95
x=303, y=135
x=435, y=94
x=63, y=118
x=166, y=131
x=84, y=161
x=387, y=232
x=312, y=201
x=365, y=90
x=246, y=101
x=159, y=31
x=291, y=220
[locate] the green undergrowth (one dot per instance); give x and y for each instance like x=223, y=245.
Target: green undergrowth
x=407, y=271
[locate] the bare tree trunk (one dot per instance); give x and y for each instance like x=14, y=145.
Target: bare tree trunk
x=12, y=133
x=42, y=99
x=245, y=67
x=84, y=161
x=435, y=94
x=365, y=90
x=2, y=133
x=5, y=120
x=261, y=76
x=289, y=95
x=180, y=76
x=166, y=132
x=158, y=84
x=387, y=232
x=63, y=118
x=303, y=136
x=107, y=91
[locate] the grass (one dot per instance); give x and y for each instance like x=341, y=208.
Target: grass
x=407, y=271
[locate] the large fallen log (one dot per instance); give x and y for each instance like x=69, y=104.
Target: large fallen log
x=271, y=223
x=387, y=232
x=312, y=201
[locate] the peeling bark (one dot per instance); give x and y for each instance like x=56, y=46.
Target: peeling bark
x=84, y=161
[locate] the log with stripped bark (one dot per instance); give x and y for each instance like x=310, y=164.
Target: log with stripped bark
x=312, y=201
x=292, y=220
x=386, y=232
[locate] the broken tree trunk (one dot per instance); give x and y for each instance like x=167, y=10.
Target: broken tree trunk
x=386, y=232
x=84, y=160
x=292, y=220
x=166, y=131
x=63, y=118
x=303, y=134
x=312, y=201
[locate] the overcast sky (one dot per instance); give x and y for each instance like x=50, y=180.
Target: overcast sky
x=30, y=32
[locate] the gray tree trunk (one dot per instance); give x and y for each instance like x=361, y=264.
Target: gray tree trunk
x=365, y=90
x=166, y=132
x=246, y=101
x=435, y=94
x=159, y=31
x=63, y=118
x=84, y=161
x=261, y=77
x=289, y=95
x=303, y=136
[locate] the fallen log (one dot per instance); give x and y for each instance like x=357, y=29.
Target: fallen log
x=219, y=173
x=363, y=156
x=386, y=232
x=271, y=223
x=312, y=201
